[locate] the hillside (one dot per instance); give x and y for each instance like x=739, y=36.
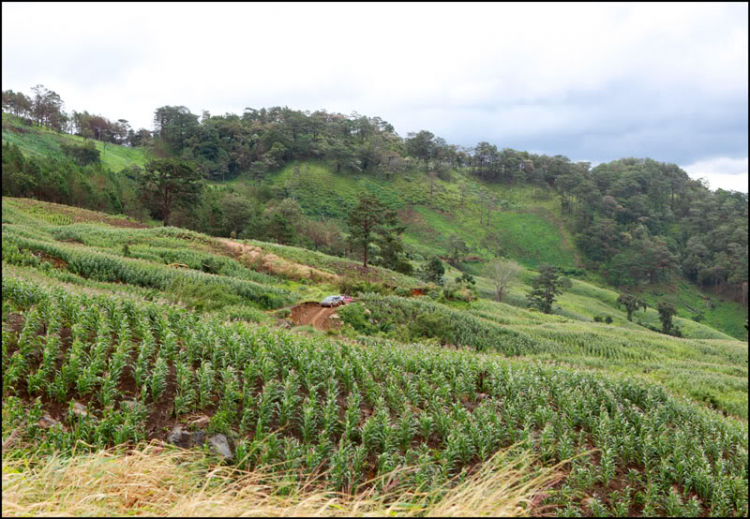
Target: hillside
x=527, y=224
x=38, y=141
x=531, y=222
x=114, y=332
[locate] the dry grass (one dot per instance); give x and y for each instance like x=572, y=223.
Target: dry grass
x=257, y=259
x=154, y=480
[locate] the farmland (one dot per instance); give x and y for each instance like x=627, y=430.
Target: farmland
x=115, y=335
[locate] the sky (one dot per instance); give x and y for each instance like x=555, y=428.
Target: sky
x=593, y=82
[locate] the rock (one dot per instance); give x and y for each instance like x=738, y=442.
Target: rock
x=180, y=437
x=198, y=438
x=220, y=445
x=335, y=316
x=185, y=439
x=201, y=421
x=47, y=421
x=80, y=409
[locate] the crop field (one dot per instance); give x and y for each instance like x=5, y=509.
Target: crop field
x=138, y=369
x=107, y=344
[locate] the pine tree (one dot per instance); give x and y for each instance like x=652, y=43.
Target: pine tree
x=546, y=287
x=372, y=221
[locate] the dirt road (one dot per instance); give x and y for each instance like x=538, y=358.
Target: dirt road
x=319, y=317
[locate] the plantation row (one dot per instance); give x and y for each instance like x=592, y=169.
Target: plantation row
x=160, y=244
x=145, y=245
x=714, y=372
x=357, y=410
x=482, y=331
x=106, y=267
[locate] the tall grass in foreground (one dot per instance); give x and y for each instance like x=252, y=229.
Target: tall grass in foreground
x=159, y=480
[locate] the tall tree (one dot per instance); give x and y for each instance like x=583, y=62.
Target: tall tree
x=371, y=220
x=504, y=274
x=456, y=249
x=666, y=312
x=173, y=183
x=546, y=287
x=631, y=304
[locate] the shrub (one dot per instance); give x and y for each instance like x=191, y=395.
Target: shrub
x=433, y=325
x=460, y=291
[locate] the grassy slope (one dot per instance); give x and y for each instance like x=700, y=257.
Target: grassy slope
x=40, y=141
x=529, y=226
x=522, y=222
x=606, y=379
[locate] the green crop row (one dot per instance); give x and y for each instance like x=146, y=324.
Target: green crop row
x=352, y=410
x=710, y=371
x=107, y=267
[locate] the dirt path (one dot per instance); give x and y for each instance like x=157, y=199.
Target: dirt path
x=314, y=315
x=256, y=259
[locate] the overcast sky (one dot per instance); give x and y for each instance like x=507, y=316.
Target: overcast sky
x=593, y=82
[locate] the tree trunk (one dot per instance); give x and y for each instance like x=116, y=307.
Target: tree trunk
x=365, y=262
x=167, y=207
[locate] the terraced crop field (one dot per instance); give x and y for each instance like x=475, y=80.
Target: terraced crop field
x=118, y=336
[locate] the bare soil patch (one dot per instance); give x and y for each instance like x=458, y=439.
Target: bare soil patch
x=311, y=313
x=256, y=259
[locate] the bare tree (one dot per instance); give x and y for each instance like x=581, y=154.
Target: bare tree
x=504, y=273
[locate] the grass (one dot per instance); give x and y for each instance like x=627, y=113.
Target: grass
x=39, y=141
x=157, y=479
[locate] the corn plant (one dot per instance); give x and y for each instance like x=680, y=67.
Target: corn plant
x=157, y=383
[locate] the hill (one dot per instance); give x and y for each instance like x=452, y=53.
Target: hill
x=463, y=208
x=38, y=141
x=113, y=334
x=527, y=224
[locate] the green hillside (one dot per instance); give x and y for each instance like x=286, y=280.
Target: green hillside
x=529, y=228
x=44, y=142
x=116, y=333
x=524, y=221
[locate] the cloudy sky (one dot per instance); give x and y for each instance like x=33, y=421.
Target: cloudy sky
x=593, y=82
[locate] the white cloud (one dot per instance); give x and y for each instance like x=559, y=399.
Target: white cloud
x=722, y=172
x=513, y=74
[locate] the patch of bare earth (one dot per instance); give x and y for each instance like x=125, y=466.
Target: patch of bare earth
x=256, y=259
x=312, y=314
